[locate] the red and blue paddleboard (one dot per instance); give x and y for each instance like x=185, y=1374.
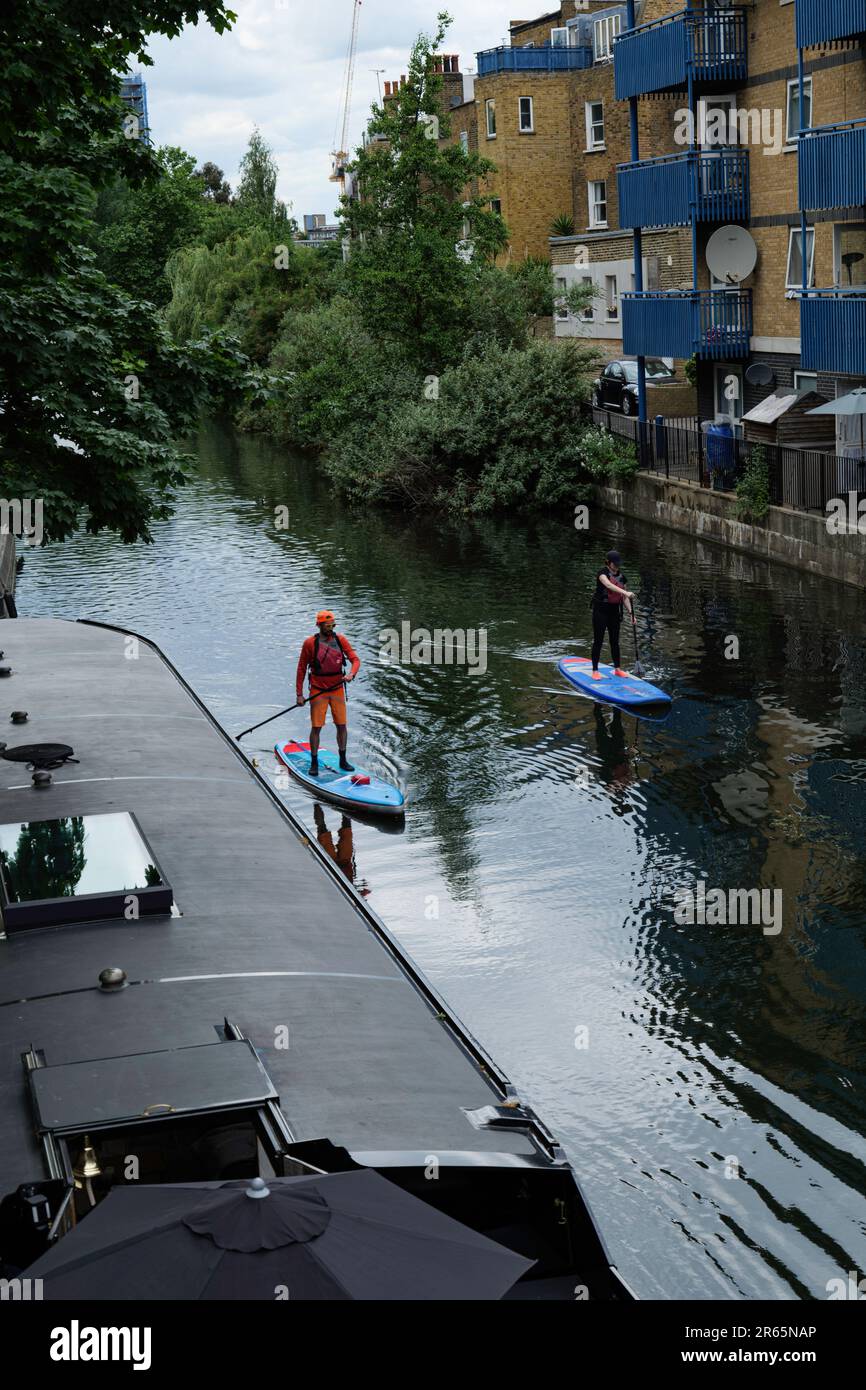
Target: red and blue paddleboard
x=628, y=691
x=360, y=789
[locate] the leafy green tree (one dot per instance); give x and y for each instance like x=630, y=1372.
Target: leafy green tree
x=214, y=182
x=93, y=392
x=140, y=227
x=257, y=188
x=405, y=273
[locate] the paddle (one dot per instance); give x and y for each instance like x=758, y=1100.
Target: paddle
x=638, y=669
x=287, y=710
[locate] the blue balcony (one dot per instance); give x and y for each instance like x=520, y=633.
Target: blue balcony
x=667, y=323
x=833, y=166
x=708, y=185
x=822, y=21
x=833, y=331
x=709, y=45
x=550, y=58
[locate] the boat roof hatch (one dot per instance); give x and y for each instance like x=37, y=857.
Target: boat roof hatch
x=111, y=1091
x=78, y=869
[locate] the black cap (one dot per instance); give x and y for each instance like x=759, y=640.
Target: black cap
x=613, y=556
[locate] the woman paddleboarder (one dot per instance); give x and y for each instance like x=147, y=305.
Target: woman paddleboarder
x=611, y=595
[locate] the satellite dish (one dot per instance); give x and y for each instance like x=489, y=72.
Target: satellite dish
x=732, y=254
x=760, y=374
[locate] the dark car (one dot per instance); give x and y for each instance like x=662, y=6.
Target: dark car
x=616, y=388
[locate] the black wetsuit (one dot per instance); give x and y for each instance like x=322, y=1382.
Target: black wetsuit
x=606, y=617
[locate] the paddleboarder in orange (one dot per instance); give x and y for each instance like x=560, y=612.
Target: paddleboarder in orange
x=325, y=655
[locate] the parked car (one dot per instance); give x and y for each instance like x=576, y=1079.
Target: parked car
x=616, y=388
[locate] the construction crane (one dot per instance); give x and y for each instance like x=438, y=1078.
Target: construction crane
x=340, y=156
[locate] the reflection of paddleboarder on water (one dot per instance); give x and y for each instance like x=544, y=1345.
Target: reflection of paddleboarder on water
x=611, y=596
x=343, y=853
x=612, y=748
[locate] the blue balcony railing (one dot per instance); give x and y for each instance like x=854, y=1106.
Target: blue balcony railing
x=833, y=166
x=659, y=56
x=709, y=185
x=833, y=331
x=667, y=323
x=822, y=21
x=549, y=58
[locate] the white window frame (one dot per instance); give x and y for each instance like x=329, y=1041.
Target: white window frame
x=490, y=110
x=611, y=304
x=592, y=125
x=813, y=376
x=561, y=286
x=791, y=136
x=589, y=309
x=464, y=141
x=810, y=240
x=594, y=203
x=604, y=31
x=526, y=129
x=559, y=38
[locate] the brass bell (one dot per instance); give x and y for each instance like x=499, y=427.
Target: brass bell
x=88, y=1164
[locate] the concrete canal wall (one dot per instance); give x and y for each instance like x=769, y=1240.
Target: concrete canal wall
x=800, y=539
x=7, y=569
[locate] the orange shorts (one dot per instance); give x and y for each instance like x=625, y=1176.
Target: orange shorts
x=335, y=701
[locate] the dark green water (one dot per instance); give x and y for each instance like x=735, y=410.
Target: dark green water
x=707, y=1080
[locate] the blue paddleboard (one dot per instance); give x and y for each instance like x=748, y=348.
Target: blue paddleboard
x=628, y=691
x=359, y=789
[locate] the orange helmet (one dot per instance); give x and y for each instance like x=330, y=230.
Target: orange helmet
x=325, y=615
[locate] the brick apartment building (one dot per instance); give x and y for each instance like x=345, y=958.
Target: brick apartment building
x=757, y=161
x=713, y=90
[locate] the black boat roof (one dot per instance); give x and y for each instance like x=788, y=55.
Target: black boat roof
x=271, y=936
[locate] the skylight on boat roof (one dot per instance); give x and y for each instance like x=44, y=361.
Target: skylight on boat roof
x=78, y=869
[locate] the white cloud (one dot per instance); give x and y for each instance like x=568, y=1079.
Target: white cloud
x=281, y=67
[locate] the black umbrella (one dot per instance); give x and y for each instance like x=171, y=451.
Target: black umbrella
x=342, y=1236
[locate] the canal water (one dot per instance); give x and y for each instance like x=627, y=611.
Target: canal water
x=706, y=1079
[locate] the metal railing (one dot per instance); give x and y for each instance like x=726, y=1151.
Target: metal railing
x=545, y=58
x=822, y=21
x=805, y=480
x=681, y=323
x=833, y=330
x=709, y=45
x=832, y=165
x=710, y=185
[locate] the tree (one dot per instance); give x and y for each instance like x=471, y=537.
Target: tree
x=257, y=188
x=93, y=392
x=140, y=227
x=405, y=273
x=216, y=186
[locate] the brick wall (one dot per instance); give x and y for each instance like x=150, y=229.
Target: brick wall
x=533, y=171
x=537, y=31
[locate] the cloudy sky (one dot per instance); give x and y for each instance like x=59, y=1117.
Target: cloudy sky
x=281, y=68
